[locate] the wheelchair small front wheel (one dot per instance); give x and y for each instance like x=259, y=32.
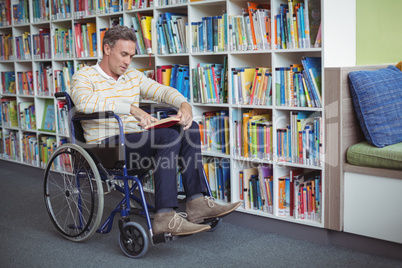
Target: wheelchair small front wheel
x=134, y=240
x=215, y=224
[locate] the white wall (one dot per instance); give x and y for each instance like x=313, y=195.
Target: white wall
x=339, y=33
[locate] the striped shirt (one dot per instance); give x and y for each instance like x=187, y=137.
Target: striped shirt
x=93, y=90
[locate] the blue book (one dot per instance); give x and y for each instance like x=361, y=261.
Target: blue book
x=223, y=114
x=200, y=36
x=282, y=83
x=312, y=66
x=186, y=86
x=174, y=75
x=225, y=163
x=162, y=40
x=170, y=19
x=215, y=33
x=287, y=196
x=210, y=38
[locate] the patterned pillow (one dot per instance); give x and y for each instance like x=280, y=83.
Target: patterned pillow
x=377, y=99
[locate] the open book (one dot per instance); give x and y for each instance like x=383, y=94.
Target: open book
x=164, y=123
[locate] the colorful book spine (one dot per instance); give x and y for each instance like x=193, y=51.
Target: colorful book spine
x=298, y=25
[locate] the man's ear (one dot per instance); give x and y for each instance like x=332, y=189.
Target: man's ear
x=106, y=48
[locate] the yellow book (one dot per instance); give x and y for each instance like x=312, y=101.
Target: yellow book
x=227, y=147
x=166, y=74
x=221, y=33
x=130, y=4
x=91, y=29
x=146, y=26
x=256, y=85
x=247, y=78
x=246, y=117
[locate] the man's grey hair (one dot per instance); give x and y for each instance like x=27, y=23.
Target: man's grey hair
x=119, y=32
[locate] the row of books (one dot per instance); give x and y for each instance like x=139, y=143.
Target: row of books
x=137, y=4
x=63, y=43
x=256, y=188
x=47, y=145
x=63, y=77
x=44, y=79
x=300, y=84
x=84, y=8
x=252, y=86
x=30, y=149
x=217, y=171
x=214, y=130
x=141, y=24
x=11, y=145
x=61, y=9
x=6, y=47
x=176, y=76
x=171, y=33
x=62, y=118
x=301, y=140
x=23, y=46
x=210, y=35
x=300, y=195
x=9, y=112
x=13, y=114
x=298, y=25
x=21, y=12
x=85, y=39
x=5, y=13
x=41, y=44
x=109, y=6
x=158, y=3
x=25, y=83
x=40, y=10
x=26, y=112
x=210, y=84
x=252, y=29
x=8, y=82
x=253, y=134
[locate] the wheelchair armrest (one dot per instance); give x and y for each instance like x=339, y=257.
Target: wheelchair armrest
x=60, y=94
x=97, y=115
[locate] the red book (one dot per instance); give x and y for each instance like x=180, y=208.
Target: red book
x=164, y=123
x=42, y=33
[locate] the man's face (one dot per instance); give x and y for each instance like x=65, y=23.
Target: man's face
x=120, y=56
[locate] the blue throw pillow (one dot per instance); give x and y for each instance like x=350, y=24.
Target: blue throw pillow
x=377, y=99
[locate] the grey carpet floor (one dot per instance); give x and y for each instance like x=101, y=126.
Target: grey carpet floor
x=28, y=239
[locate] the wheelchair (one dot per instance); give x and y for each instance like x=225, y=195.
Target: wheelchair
x=78, y=175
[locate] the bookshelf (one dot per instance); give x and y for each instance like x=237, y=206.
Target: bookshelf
x=47, y=29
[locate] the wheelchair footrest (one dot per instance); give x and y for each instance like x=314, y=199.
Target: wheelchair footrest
x=165, y=237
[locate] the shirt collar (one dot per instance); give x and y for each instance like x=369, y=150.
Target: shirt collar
x=105, y=75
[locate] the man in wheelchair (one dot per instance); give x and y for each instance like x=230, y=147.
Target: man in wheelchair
x=112, y=85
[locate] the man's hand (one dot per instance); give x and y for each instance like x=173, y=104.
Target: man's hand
x=143, y=118
x=185, y=114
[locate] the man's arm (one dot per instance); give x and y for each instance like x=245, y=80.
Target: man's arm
x=86, y=101
x=150, y=89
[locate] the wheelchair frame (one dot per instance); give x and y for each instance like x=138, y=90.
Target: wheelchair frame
x=132, y=234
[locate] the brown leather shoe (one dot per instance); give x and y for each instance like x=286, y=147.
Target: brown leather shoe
x=176, y=224
x=204, y=208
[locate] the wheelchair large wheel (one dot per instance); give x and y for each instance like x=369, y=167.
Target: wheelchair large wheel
x=134, y=240
x=73, y=192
